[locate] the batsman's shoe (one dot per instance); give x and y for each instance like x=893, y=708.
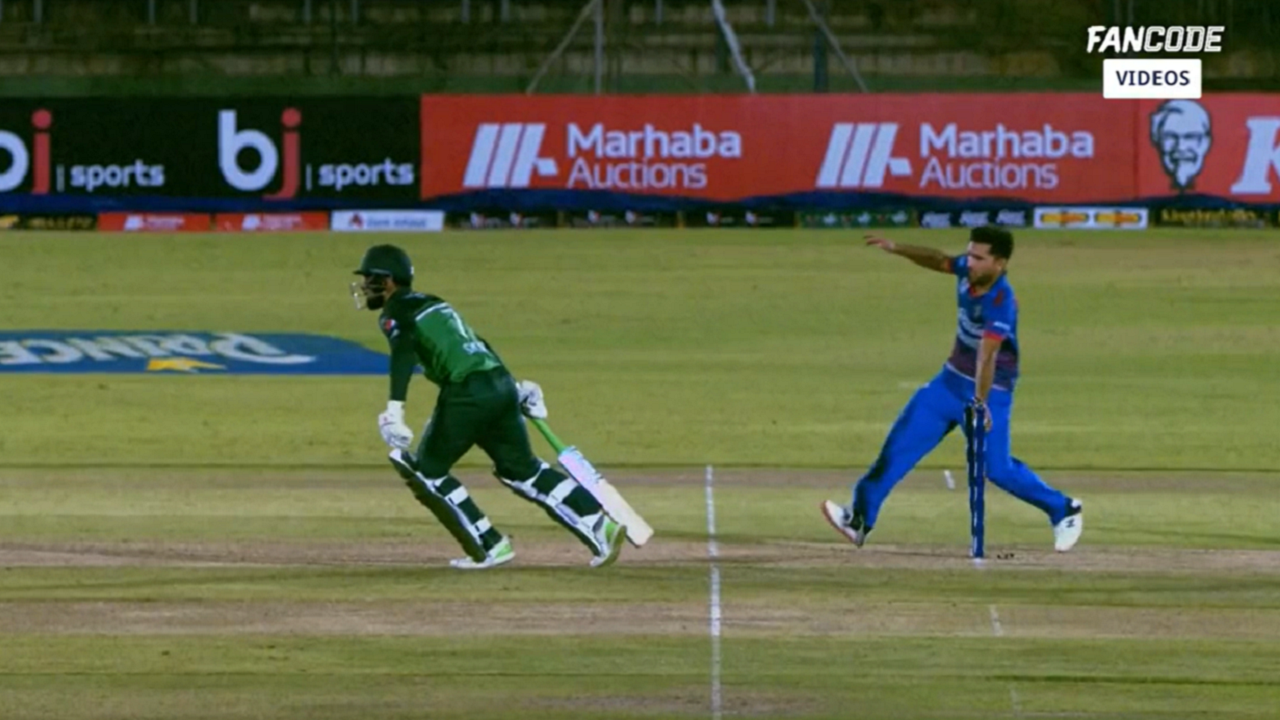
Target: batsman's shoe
x=501, y=554
x=611, y=536
x=1067, y=532
x=845, y=522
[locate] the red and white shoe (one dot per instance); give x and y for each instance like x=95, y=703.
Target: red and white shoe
x=845, y=522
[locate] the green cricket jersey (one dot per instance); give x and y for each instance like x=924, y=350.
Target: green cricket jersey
x=424, y=329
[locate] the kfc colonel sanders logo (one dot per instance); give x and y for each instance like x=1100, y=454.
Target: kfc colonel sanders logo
x=1180, y=132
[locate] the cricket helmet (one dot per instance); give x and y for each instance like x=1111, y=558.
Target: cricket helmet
x=380, y=263
x=387, y=261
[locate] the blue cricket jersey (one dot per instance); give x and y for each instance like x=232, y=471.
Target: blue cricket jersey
x=993, y=314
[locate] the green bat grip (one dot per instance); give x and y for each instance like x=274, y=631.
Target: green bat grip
x=545, y=429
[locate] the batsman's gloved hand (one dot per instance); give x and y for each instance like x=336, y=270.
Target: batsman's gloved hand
x=531, y=400
x=970, y=411
x=391, y=424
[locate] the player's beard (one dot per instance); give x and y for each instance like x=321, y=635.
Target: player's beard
x=983, y=280
x=374, y=293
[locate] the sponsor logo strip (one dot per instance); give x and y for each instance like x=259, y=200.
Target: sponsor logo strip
x=185, y=353
x=1091, y=218
x=387, y=220
x=1052, y=149
x=153, y=222
x=271, y=222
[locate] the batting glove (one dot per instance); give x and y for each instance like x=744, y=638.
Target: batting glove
x=531, y=400
x=391, y=424
x=970, y=411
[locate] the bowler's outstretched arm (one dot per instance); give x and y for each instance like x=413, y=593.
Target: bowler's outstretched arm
x=925, y=257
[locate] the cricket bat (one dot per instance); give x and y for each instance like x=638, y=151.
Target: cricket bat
x=580, y=469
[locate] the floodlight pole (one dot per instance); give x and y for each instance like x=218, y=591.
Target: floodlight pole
x=731, y=39
x=599, y=18
x=835, y=45
x=559, y=51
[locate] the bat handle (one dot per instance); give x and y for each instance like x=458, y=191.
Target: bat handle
x=545, y=429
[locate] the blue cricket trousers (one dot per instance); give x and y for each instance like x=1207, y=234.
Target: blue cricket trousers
x=933, y=412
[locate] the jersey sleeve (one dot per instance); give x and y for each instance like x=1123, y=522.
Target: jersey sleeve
x=998, y=314
x=404, y=358
x=959, y=265
x=489, y=346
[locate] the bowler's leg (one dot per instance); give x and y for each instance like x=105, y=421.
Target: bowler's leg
x=932, y=413
x=1011, y=474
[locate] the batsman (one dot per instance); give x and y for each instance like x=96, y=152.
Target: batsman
x=478, y=404
x=981, y=372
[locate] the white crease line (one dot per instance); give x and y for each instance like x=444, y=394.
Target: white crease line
x=713, y=552
x=997, y=629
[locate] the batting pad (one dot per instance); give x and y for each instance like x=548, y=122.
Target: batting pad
x=452, y=505
x=551, y=490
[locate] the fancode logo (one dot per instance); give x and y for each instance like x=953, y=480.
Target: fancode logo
x=505, y=156
x=1172, y=39
x=859, y=155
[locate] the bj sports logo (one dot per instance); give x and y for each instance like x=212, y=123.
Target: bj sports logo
x=46, y=177
x=20, y=159
x=283, y=160
x=599, y=156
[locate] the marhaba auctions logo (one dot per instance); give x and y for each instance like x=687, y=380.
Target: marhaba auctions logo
x=602, y=158
x=233, y=141
x=1001, y=158
x=46, y=178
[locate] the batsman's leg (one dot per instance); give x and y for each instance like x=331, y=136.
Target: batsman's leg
x=931, y=414
x=566, y=502
x=1014, y=477
x=447, y=437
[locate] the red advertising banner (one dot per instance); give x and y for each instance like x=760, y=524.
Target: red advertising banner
x=271, y=222
x=153, y=222
x=1052, y=148
x=1225, y=145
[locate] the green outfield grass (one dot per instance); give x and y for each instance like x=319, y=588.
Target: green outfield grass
x=215, y=547
x=1141, y=350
